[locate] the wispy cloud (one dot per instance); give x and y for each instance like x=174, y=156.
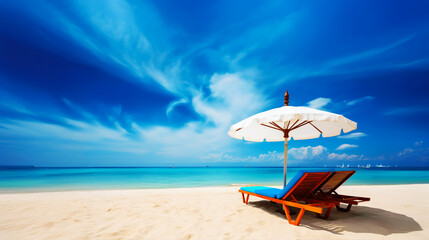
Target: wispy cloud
x=363, y=55
x=405, y=152
x=223, y=75
x=225, y=104
x=362, y=99
x=67, y=133
x=174, y=104
x=407, y=110
x=355, y=135
x=233, y=96
x=414, y=63
x=82, y=137
x=319, y=103
x=346, y=146
x=111, y=32
x=418, y=152
x=358, y=61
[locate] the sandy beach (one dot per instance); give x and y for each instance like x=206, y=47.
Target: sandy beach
x=394, y=212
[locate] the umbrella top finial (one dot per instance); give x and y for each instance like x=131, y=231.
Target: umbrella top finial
x=286, y=98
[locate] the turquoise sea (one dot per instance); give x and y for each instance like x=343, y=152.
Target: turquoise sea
x=55, y=179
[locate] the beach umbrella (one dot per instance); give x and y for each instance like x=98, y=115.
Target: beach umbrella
x=287, y=122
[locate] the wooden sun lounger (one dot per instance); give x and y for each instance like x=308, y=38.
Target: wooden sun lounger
x=297, y=194
x=327, y=191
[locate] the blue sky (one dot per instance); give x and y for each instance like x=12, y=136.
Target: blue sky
x=154, y=83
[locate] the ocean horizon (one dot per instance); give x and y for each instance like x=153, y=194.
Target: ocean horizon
x=40, y=179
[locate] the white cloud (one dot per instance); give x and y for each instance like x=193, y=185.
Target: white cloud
x=319, y=103
x=271, y=156
x=418, y=143
x=353, y=102
x=303, y=154
x=355, y=135
x=268, y=157
x=234, y=96
x=346, y=146
x=339, y=157
x=405, y=152
x=307, y=152
x=418, y=152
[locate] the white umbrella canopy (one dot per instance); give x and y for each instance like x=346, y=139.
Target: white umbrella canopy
x=284, y=123
x=310, y=124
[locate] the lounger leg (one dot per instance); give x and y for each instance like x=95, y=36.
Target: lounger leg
x=347, y=209
x=297, y=220
x=326, y=215
x=245, y=200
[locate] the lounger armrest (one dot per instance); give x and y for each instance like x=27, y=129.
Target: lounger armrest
x=347, y=197
x=316, y=208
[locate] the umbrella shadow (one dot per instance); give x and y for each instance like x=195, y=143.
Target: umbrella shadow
x=360, y=219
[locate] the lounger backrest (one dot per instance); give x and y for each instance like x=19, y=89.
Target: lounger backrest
x=334, y=181
x=303, y=184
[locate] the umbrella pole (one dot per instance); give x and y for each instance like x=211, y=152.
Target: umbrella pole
x=285, y=164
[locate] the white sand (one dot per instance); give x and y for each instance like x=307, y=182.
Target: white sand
x=394, y=212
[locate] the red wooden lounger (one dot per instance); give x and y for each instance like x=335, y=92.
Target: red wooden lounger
x=295, y=194
x=327, y=191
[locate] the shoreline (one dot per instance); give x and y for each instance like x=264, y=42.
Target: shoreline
x=59, y=190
